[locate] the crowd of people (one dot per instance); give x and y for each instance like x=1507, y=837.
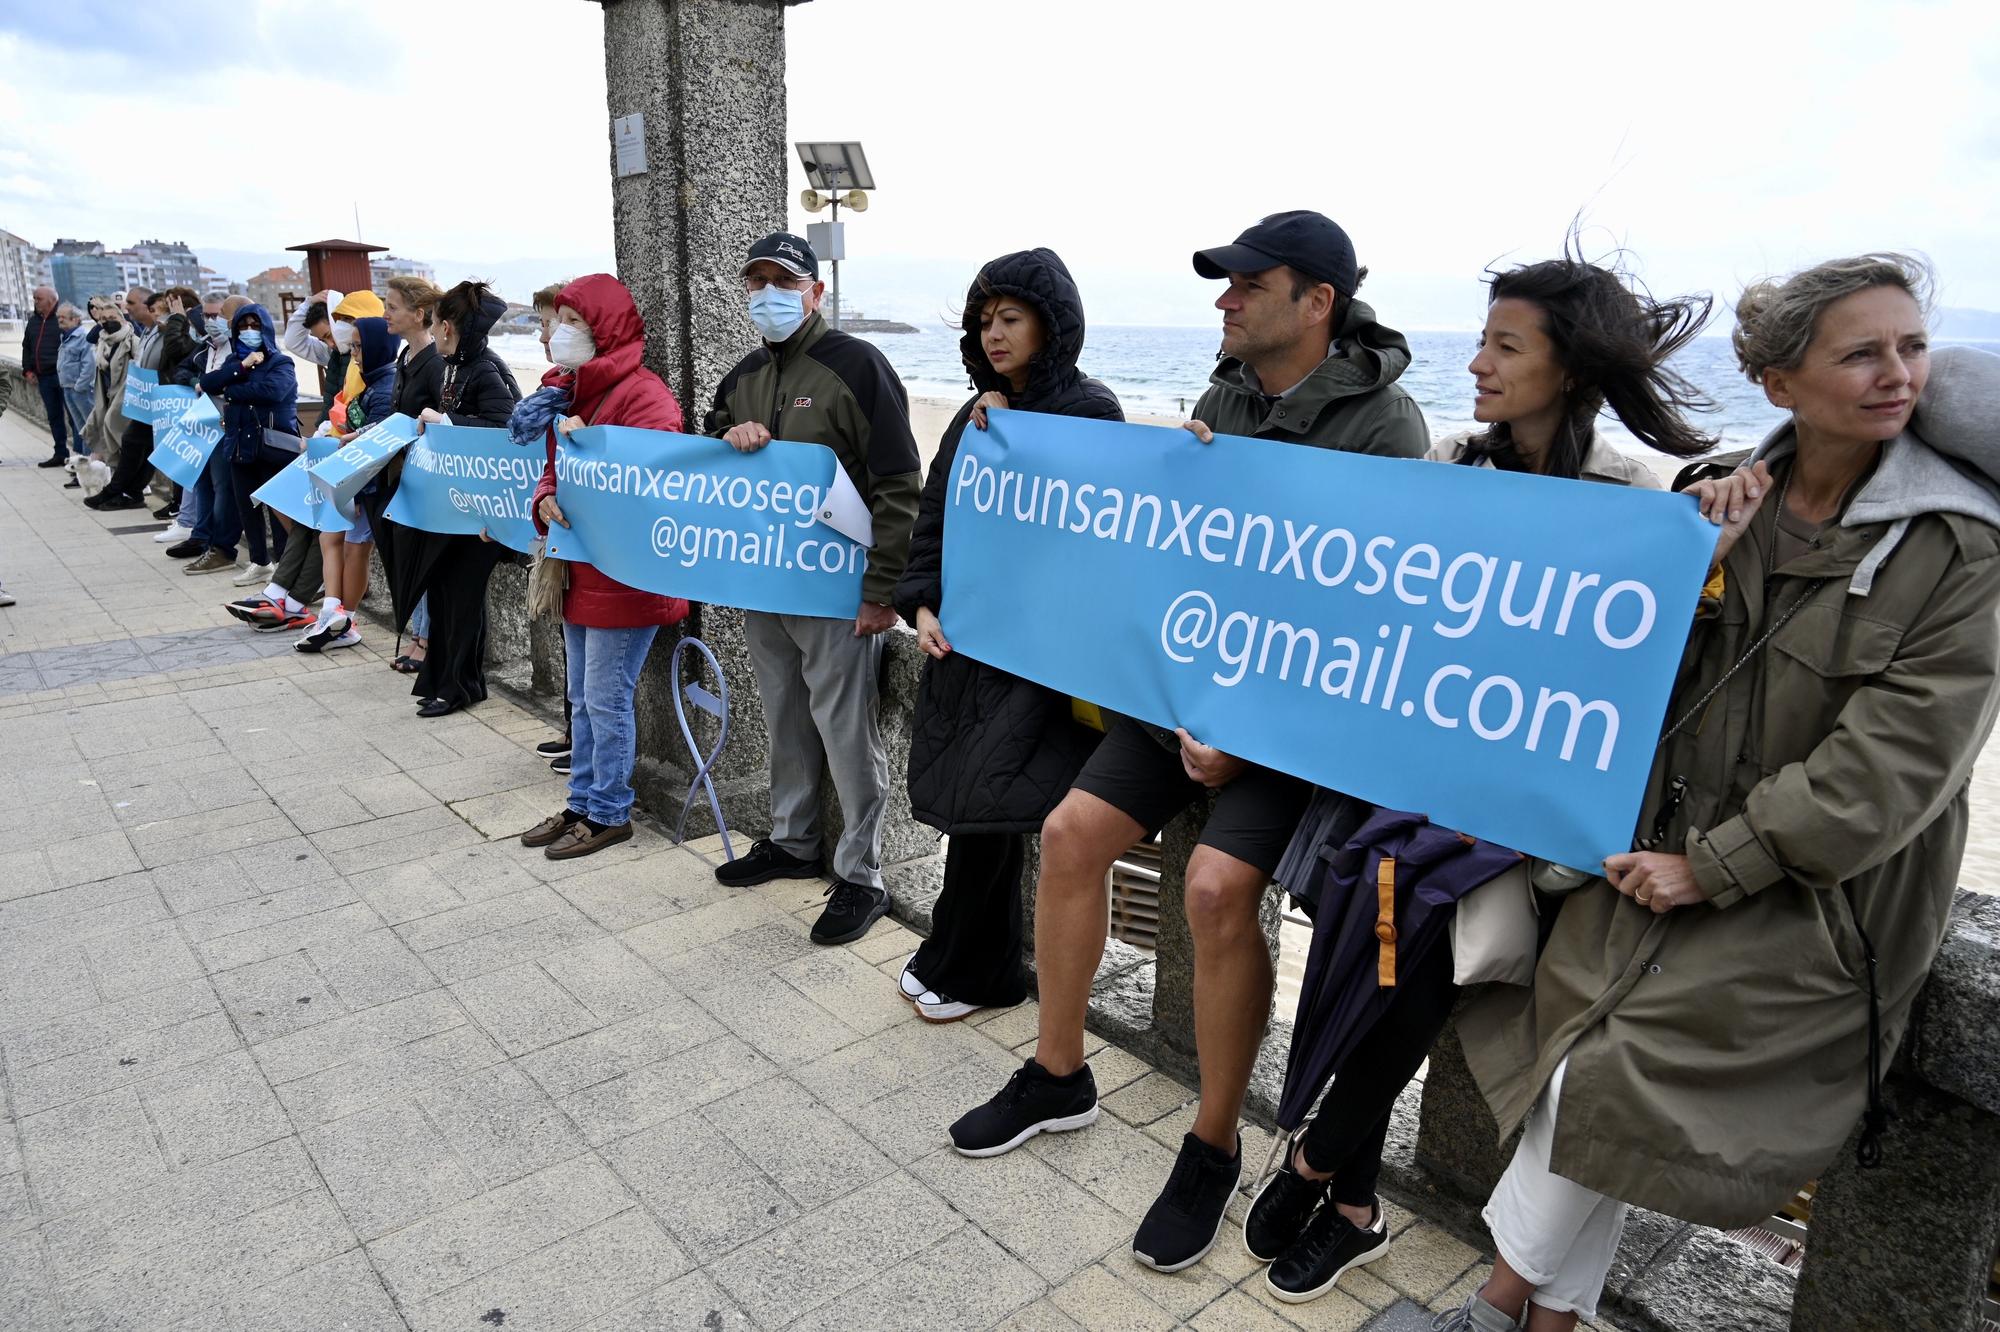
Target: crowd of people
x=1696, y=1024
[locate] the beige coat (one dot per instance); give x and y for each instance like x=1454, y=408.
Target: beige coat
x=105, y=430
x=1719, y=1054
x=1601, y=463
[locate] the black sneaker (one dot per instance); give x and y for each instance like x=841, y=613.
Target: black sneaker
x=121, y=502
x=1279, y=1212
x=166, y=512
x=850, y=910
x=1330, y=1247
x=553, y=749
x=186, y=550
x=764, y=861
x=1033, y=1101
x=56, y=461
x=560, y=765
x=1181, y=1226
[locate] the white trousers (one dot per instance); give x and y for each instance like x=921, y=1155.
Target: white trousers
x=1552, y=1231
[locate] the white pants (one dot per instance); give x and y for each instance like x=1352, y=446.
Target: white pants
x=1552, y=1231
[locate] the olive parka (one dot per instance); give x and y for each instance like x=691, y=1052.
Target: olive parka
x=1719, y=1054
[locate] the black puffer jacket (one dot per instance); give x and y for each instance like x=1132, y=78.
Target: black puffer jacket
x=479, y=389
x=992, y=752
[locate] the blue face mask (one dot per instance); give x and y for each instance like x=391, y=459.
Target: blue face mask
x=777, y=312
x=253, y=338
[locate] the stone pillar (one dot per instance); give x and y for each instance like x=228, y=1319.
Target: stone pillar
x=709, y=78
x=1909, y=1244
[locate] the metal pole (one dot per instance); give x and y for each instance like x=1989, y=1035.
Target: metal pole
x=834, y=321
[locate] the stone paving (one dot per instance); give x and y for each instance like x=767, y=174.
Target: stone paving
x=297, y=1036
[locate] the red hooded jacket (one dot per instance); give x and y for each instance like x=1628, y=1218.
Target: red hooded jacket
x=612, y=388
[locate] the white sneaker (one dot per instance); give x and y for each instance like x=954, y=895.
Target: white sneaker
x=255, y=575
x=174, y=535
x=912, y=988
x=348, y=639
x=934, y=1007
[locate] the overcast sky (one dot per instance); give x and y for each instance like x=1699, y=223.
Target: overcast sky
x=1714, y=141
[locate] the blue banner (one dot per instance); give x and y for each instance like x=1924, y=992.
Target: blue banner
x=467, y=479
x=355, y=463
x=689, y=516
x=141, y=386
x=1492, y=649
x=186, y=429
x=293, y=493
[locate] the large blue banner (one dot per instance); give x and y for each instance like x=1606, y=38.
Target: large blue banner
x=140, y=387
x=1491, y=649
x=689, y=516
x=293, y=493
x=467, y=479
x=186, y=430
x=348, y=471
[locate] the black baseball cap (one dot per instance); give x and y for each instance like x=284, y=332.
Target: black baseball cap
x=1309, y=242
x=788, y=252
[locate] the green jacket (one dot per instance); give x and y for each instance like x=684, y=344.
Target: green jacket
x=822, y=386
x=1718, y=1054
x=1350, y=402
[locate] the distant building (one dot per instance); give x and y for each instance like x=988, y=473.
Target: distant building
x=78, y=277
x=134, y=270
x=212, y=283
x=21, y=270
x=270, y=288
x=389, y=265
x=174, y=265
x=68, y=246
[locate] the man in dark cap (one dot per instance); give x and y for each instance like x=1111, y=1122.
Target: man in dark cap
x=1305, y=362
x=820, y=679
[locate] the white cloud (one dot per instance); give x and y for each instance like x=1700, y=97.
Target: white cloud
x=1717, y=140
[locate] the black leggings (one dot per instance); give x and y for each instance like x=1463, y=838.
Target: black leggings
x=1348, y=1134
x=249, y=476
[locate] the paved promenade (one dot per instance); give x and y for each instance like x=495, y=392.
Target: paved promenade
x=298, y=1038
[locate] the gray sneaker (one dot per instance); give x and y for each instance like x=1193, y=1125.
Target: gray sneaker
x=213, y=561
x=1475, y=1315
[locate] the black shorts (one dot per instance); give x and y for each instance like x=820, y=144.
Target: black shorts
x=1254, y=815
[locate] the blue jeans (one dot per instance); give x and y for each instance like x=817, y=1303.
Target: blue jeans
x=218, y=527
x=420, y=618
x=604, y=734
x=78, y=404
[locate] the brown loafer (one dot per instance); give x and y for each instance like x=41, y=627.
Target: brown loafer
x=579, y=840
x=550, y=828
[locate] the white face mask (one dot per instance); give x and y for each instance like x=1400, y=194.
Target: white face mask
x=343, y=336
x=570, y=346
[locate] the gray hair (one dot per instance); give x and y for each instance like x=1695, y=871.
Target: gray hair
x=1776, y=318
x=67, y=308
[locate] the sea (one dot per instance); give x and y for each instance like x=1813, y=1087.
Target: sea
x=1162, y=371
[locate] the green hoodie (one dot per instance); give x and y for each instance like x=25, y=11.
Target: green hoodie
x=1351, y=401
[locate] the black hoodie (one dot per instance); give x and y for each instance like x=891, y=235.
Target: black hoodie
x=990, y=752
x=479, y=389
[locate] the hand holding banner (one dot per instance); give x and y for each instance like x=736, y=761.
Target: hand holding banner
x=467, y=479
x=353, y=464
x=140, y=387
x=1491, y=649
x=186, y=430
x=293, y=493
x=689, y=516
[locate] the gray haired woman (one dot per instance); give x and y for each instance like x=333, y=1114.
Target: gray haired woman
x=1711, y=1018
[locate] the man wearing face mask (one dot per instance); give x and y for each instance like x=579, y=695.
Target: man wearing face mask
x=820, y=678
